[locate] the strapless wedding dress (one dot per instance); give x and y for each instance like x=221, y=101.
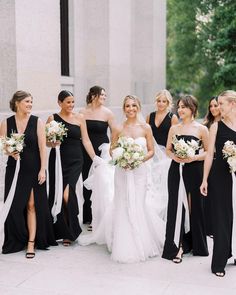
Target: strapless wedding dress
x=129, y=227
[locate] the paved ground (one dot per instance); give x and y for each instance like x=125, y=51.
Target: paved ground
x=89, y=270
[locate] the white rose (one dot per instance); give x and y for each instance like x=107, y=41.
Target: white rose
x=19, y=147
x=232, y=163
x=136, y=156
x=130, y=140
x=191, y=152
x=117, y=153
x=10, y=141
x=126, y=155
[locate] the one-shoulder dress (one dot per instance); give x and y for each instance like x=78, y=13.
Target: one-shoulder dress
x=67, y=225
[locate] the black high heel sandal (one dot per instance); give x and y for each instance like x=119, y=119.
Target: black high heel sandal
x=178, y=259
x=30, y=255
x=219, y=274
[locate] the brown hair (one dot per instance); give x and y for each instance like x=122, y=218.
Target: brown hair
x=17, y=97
x=134, y=98
x=190, y=102
x=93, y=92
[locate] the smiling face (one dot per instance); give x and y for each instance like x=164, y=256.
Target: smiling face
x=25, y=105
x=183, y=111
x=67, y=105
x=214, y=108
x=162, y=103
x=131, y=108
x=100, y=99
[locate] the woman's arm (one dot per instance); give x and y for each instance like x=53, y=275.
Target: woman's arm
x=169, y=147
x=150, y=143
x=3, y=128
x=205, y=141
x=209, y=158
x=42, y=151
x=85, y=138
x=174, y=120
x=148, y=119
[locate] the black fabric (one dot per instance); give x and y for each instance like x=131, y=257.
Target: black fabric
x=195, y=240
x=67, y=225
x=97, y=131
x=221, y=193
x=160, y=133
x=16, y=231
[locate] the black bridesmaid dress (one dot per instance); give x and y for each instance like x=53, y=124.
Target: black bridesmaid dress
x=221, y=188
x=16, y=231
x=195, y=239
x=67, y=225
x=97, y=131
x=160, y=133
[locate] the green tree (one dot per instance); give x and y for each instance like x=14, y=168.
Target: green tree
x=201, y=47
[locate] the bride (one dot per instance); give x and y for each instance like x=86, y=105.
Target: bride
x=131, y=230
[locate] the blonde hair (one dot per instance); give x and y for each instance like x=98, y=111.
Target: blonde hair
x=134, y=98
x=165, y=93
x=230, y=95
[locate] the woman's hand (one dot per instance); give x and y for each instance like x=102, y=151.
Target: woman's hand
x=185, y=160
x=55, y=144
x=203, y=188
x=14, y=155
x=42, y=176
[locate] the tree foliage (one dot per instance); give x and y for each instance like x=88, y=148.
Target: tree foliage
x=201, y=54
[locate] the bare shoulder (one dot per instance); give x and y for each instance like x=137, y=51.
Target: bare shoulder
x=50, y=118
x=82, y=110
x=175, y=128
x=79, y=117
x=146, y=127
x=117, y=128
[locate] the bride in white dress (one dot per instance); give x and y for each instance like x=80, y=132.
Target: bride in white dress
x=131, y=229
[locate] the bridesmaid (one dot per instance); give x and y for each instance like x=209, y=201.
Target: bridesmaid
x=185, y=205
x=213, y=115
x=98, y=119
x=28, y=223
x=162, y=119
x=223, y=200
x=67, y=225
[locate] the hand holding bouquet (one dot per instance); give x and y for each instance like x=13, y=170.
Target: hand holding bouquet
x=185, y=149
x=12, y=145
x=55, y=131
x=229, y=153
x=127, y=154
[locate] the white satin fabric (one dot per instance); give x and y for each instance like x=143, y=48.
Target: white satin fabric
x=234, y=215
x=56, y=208
x=7, y=204
x=126, y=223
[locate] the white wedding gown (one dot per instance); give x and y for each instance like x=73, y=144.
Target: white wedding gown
x=129, y=226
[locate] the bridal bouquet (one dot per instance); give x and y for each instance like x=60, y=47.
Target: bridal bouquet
x=127, y=154
x=14, y=143
x=55, y=131
x=184, y=149
x=229, y=153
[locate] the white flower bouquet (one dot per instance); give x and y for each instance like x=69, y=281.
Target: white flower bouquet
x=14, y=143
x=229, y=153
x=127, y=154
x=55, y=131
x=185, y=149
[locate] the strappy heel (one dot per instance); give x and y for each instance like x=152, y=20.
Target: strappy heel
x=178, y=259
x=219, y=274
x=30, y=255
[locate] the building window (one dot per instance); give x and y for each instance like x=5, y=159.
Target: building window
x=64, y=15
